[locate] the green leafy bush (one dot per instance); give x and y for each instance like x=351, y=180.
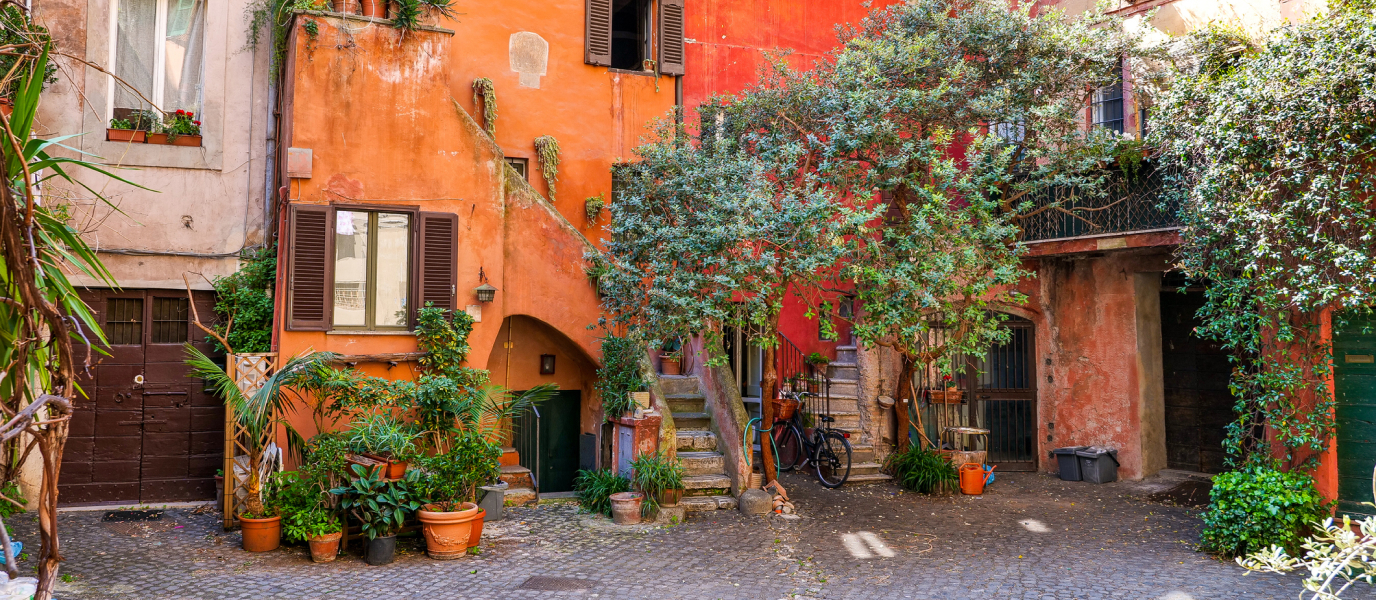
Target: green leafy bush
x=596, y=487
x=304, y=506
x=654, y=473
x=382, y=435
x=922, y=470
x=11, y=490
x=381, y=507
x=246, y=297
x=620, y=374
x=1256, y=507
x=453, y=477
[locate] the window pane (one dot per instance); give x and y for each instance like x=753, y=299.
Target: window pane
x=170, y=320
x=350, y=268
x=184, y=55
x=124, y=321
x=136, y=28
x=393, y=268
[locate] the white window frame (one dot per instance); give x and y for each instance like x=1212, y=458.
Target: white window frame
x=159, y=59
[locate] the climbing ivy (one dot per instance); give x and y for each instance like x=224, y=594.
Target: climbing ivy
x=593, y=207
x=484, y=91
x=547, y=148
x=620, y=374
x=1275, y=146
x=243, y=302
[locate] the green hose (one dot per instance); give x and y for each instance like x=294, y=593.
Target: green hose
x=745, y=444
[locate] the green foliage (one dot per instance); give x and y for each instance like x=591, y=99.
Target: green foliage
x=593, y=206
x=620, y=374
x=245, y=300
x=381, y=434
x=1337, y=556
x=381, y=507
x=484, y=90
x=595, y=489
x=17, y=28
x=407, y=14
x=1256, y=507
x=1273, y=149
x=274, y=18
x=819, y=359
x=121, y=124
x=922, y=470
x=652, y=474
x=304, y=506
x=547, y=148
x=180, y=123
x=453, y=477
x=11, y=490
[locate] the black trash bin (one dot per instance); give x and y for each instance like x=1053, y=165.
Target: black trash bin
x=1098, y=465
x=1067, y=463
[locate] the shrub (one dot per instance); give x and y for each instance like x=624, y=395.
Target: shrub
x=922, y=470
x=654, y=473
x=1258, y=506
x=595, y=489
x=453, y=477
x=620, y=374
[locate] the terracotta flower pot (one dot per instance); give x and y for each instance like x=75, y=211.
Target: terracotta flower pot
x=396, y=469
x=375, y=8
x=348, y=7
x=670, y=497
x=626, y=507
x=326, y=547
x=157, y=138
x=125, y=135
x=447, y=533
x=186, y=140
x=476, y=535
x=261, y=535
x=670, y=366
x=368, y=464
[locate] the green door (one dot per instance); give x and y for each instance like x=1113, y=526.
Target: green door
x=1354, y=357
x=547, y=440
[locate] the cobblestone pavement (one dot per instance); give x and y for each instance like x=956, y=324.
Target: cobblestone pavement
x=1029, y=537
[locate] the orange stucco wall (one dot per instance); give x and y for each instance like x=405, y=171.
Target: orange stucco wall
x=389, y=121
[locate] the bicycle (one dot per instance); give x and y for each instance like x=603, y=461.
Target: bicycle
x=828, y=449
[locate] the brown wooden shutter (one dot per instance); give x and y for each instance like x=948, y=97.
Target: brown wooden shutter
x=310, y=268
x=599, y=33
x=438, y=260
x=671, y=37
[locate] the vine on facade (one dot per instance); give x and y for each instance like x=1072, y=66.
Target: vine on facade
x=486, y=94
x=547, y=148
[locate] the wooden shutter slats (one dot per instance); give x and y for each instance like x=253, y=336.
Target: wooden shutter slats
x=309, y=268
x=598, y=44
x=438, y=259
x=671, y=37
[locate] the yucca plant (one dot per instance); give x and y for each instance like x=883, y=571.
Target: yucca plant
x=259, y=414
x=595, y=489
x=922, y=470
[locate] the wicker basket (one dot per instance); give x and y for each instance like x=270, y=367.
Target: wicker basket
x=946, y=396
x=784, y=408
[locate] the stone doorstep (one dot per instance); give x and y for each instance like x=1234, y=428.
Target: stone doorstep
x=706, y=503
x=863, y=468
x=865, y=478
x=517, y=476
x=521, y=497
x=692, y=421
x=678, y=384
x=702, y=463
x=689, y=440
x=686, y=403
x=716, y=481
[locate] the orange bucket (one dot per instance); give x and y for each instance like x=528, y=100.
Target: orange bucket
x=972, y=479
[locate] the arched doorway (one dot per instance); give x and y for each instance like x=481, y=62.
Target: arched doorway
x=557, y=438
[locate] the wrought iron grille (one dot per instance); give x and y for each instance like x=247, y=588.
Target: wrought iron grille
x=1134, y=202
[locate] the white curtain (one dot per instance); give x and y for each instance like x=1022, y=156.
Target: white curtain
x=135, y=52
x=185, y=55
x=183, y=50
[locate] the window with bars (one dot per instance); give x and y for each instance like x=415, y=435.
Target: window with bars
x=124, y=321
x=170, y=320
x=1107, y=103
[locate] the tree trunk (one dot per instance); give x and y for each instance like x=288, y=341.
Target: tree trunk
x=770, y=384
x=905, y=401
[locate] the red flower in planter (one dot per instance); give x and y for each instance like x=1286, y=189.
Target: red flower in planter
x=196, y=122
x=181, y=112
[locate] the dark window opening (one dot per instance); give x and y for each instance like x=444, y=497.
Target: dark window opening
x=170, y=320
x=124, y=321
x=1108, y=104
x=631, y=21
x=519, y=165
x=1142, y=122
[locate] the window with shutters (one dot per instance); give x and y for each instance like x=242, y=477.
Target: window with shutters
x=372, y=265
x=636, y=35
x=631, y=34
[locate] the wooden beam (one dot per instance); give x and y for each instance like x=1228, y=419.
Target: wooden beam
x=377, y=358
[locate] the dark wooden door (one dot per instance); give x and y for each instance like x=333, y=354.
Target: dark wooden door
x=1198, y=404
x=1354, y=357
x=548, y=443
x=145, y=432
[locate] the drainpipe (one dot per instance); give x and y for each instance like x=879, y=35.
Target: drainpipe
x=678, y=99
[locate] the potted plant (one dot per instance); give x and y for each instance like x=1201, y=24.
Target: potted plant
x=818, y=359
x=318, y=526
x=178, y=129
x=669, y=361
x=386, y=440
x=259, y=417
x=306, y=510
x=450, y=483
x=122, y=130
x=659, y=477
x=381, y=508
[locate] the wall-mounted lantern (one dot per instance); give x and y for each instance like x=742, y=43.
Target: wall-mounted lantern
x=546, y=364
x=485, y=291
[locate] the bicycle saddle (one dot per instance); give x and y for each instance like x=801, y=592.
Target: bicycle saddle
x=826, y=419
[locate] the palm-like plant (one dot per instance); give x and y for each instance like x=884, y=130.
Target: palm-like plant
x=259, y=414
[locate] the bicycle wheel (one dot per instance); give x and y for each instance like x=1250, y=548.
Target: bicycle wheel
x=789, y=444
x=833, y=459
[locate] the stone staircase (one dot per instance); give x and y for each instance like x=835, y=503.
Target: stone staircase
x=520, y=489
x=706, y=486
x=845, y=408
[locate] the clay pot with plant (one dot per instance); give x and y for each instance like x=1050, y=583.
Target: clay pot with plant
x=122, y=130
x=670, y=359
x=384, y=439
x=381, y=507
x=259, y=416
x=307, y=509
x=659, y=477
x=451, y=520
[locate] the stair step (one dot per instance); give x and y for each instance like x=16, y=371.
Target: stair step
x=509, y=456
x=702, y=463
x=706, y=503
x=695, y=440
x=686, y=402
x=844, y=388
x=843, y=371
x=520, y=497
x=868, y=478
x=517, y=476
x=863, y=468
x=700, y=421
x=678, y=384
x=692, y=483
x=845, y=353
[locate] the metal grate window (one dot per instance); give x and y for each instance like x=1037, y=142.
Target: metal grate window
x=1108, y=104
x=1007, y=366
x=170, y=320
x=124, y=321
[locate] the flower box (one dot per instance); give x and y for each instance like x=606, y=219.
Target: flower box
x=125, y=135
x=181, y=140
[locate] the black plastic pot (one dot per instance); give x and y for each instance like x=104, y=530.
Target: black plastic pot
x=381, y=550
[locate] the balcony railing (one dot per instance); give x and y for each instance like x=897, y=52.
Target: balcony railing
x=1133, y=203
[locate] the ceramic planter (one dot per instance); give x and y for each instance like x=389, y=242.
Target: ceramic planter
x=157, y=138
x=396, y=469
x=375, y=8
x=626, y=507
x=381, y=551
x=261, y=535
x=368, y=464
x=348, y=7
x=326, y=547
x=670, y=497
x=447, y=533
x=669, y=365
x=476, y=535
x=185, y=140
x=125, y=135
